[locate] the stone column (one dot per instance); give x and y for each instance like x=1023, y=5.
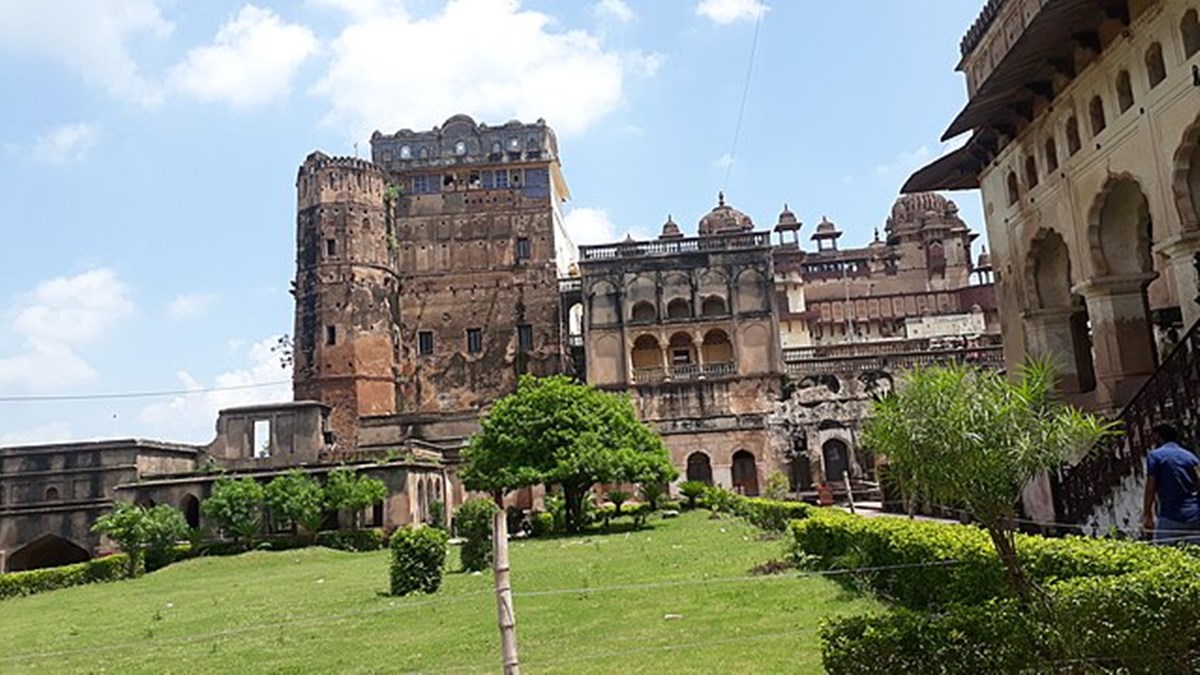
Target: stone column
x=1122, y=335
x=1048, y=332
x=1184, y=267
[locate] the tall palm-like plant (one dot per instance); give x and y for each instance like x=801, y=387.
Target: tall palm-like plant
x=972, y=438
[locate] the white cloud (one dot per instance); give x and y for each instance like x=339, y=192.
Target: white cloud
x=190, y=306
x=390, y=69
x=731, y=11
x=723, y=162
x=586, y=226
x=251, y=62
x=191, y=417
x=614, y=9
x=53, y=432
x=53, y=320
x=66, y=143
x=92, y=39
x=904, y=161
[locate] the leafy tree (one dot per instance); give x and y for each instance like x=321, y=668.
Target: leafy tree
x=973, y=438
x=297, y=498
x=347, y=490
x=126, y=525
x=555, y=431
x=693, y=490
x=777, y=487
x=236, y=506
x=165, y=527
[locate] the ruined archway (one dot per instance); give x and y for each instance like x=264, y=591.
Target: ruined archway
x=190, y=505
x=46, y=551
x=1186, y=178
x=1058, y=320
x=699, y=468
x=745, y=473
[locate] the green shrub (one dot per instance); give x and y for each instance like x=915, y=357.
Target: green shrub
x=473, y=522
x=652, y=494
x=991, y=638
x=109, y=568
x=236, y=506
x=774, y=516
x=542, y=524
x=719, y=500
x=418, y=558
x=965, y=567
x=670, y=505
x=693, y=490
x=352, y=540
x=296, y=499
x=777, y=488
x=437, y=514
x=618, y=497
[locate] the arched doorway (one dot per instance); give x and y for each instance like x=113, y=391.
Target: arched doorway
x=647, y=354
x=801, y=472
x=699, y=468
x=745, y=473
x=46, y=551
x=1060, y=324
x=191, y=510
x=683, y=350
x=717, y=347
x=837, y=460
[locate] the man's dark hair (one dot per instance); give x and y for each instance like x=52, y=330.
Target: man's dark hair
x=1166, y=433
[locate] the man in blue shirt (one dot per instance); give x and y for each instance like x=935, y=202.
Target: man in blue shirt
x=1171, y=481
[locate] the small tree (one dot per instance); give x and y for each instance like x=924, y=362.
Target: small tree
x=693, y=490
x=165, y=527
x=347, y=490
x=236, y=506
x=652, y=493
x=473, y=522
x=558, y=432
x=126, y=525
x=968, y=437
x=617, y=497
x=298, y=499
x=777, y=487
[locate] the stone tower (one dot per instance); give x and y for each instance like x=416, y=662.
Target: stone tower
x=346, y=292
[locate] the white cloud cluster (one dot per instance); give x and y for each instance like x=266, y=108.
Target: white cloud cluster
x=54, y=320
x=191, y=417
x=586, y=226
x=251, y=62
x=614, y=9
x=66, y=143
x=731, y=11
x=91, y=38
x=389, y=68
x=190, y=306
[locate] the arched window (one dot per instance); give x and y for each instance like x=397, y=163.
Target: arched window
x=1096, y=112
x=714, y=305
x=1031, y=171
x=1190, y=28
x=52, y=494
x=683, y=350
x=644, y=312
x=191, y=511
x=1014, y=188
x=1051, y=155
x=745, y=473
x=837, y=460
x=699, y=468
x=1073, y=141
x=646, y=353
x=679, y=308
x=717, y=348
x=1124, y=91
x=1156, y=67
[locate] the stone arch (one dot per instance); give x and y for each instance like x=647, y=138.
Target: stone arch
x=646, y=353
x=745, y=473
x=714, y=305
x=1119, y=228
x=1186, y=178
x=751, y=294
x=679, y=308
x=1061, y=319
x=717, y=347
x=699, y=468
x=47, y=550
x=643, y=311
x=1049, y=268
x=604, y=304
x=1096, y=115
x=835, y=456
x=1014, y=188
x=190, y=506
x=52, y=494
x=682, y=349
x=1074, y=142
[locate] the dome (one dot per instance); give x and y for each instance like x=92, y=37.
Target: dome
x=459, y=118
x=787, y=221
x=922, y=203
x=670, y=230
x=826, y=230
x=724, y=219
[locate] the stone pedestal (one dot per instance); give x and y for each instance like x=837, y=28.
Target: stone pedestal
x=1122, y=336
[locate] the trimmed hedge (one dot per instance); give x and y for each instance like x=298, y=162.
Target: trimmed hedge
x=109, y=568
x=768, y=514
x=352, y=540
x=972, y=572
x=418, y=559
x=473, y=522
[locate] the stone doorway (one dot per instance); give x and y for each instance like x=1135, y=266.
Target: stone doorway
x=699, y=468
x=837, y=460
x=745, y=473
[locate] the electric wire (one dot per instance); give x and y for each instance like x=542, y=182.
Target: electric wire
x=737, y=128
x=136, y=394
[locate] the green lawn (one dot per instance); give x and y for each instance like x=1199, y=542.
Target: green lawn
x=318, y=610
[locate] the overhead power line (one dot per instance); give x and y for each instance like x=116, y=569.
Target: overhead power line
x=136, y=394
x=737, y=129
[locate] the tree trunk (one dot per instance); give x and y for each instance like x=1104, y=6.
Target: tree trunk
x=507, y=618
x=573, y=502
x=1005, y=545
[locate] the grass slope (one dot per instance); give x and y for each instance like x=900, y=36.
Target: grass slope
x=318, y=610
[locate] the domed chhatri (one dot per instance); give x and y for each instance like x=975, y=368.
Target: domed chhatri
x=923, y=204
x=985, y=261
x=826, y=230
x=670, y=230
x=724, y=219
x=787, y=221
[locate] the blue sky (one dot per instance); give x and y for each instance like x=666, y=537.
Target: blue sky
x=150, y=148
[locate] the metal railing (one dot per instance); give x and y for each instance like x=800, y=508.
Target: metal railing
x=684, y=372
x=1172, y=395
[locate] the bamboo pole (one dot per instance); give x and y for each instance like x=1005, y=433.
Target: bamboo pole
x=506, y=615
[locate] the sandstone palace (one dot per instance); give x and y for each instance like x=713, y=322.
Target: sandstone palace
x=430, y=278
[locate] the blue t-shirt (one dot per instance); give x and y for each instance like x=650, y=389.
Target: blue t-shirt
x=1174, y=471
